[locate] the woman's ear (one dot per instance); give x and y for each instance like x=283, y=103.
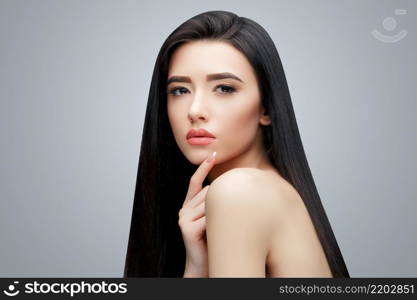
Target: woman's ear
x=265, y=119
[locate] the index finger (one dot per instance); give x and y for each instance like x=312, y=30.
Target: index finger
x=198, y=177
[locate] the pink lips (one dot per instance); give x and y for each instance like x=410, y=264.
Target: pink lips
x=199, y=137
x=200, y=140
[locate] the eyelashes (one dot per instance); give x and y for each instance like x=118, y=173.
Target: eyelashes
x=227, y=89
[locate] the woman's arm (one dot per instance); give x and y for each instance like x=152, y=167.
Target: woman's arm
x=240, y=220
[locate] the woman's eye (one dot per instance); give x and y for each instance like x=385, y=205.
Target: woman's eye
x=174, y=91
x=226, y=89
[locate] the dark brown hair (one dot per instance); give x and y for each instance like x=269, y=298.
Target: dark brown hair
x=155, y=247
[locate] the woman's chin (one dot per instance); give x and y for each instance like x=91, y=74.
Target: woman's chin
x=196, y=159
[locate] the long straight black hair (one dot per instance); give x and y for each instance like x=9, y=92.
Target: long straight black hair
x=155, y=246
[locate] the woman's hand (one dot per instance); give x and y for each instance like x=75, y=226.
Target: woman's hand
x=192, y=222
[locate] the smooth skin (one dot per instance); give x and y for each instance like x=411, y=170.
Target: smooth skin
x=249, y=221
x=192, y=222
x=229, y=108
x=258, y=226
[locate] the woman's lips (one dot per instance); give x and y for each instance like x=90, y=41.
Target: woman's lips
x=200, y=140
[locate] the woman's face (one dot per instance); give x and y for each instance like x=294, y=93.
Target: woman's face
x=229, y=108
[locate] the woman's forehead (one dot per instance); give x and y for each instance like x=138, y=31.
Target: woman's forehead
x=199, y=58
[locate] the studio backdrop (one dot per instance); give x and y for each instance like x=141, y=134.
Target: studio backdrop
x=74, y=83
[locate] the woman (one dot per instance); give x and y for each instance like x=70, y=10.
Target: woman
x=250, y=210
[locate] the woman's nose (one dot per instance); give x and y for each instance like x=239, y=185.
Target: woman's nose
x=197, y=109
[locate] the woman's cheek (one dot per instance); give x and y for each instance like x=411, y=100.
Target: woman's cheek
x=176, y=128
x=175, y=118
x=238, y=133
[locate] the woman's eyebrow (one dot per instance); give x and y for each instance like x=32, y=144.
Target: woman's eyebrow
x=209, y=77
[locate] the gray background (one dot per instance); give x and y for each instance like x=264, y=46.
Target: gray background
x=74, y=82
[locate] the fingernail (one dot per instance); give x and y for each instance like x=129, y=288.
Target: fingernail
x=209, y=159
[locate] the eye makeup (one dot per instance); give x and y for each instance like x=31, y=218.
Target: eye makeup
x=227, y=89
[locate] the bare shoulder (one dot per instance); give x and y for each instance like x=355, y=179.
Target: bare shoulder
x=253, y=187
x=243, y=209
x=257, y=219
x=263, y=196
